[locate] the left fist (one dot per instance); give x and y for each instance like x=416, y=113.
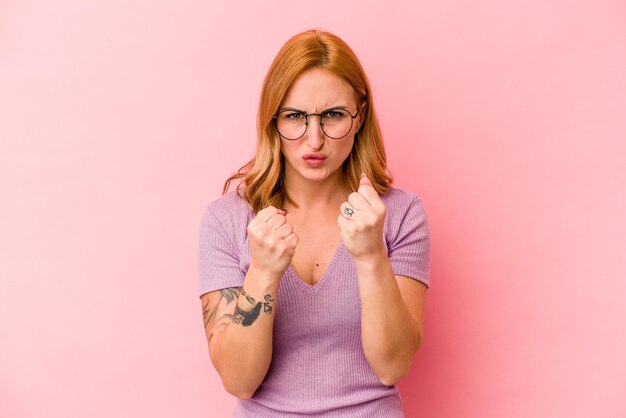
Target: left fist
x=362, y=221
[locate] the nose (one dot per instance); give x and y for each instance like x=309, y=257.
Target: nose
x=314, y=135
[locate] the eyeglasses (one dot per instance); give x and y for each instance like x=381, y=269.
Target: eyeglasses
x=336, y=123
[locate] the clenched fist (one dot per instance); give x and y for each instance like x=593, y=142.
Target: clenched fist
x=272, y=241
x=362, y=220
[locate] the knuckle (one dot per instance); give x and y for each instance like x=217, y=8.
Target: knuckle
x=253, y=231
x=271, y=242
x=267, y=211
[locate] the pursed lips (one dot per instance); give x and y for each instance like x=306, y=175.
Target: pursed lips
x=314, y=160
x=314, y=157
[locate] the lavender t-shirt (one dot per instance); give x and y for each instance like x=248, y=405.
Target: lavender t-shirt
x=318, y=366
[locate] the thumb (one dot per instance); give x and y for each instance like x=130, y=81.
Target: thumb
x=365, y=181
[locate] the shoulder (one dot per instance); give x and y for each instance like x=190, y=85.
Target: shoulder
x=229, y=212
x=404, y=208
x=400, y=200
x=221, y=243
x=230, y=203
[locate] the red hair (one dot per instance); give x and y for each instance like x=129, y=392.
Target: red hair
x=262, y=178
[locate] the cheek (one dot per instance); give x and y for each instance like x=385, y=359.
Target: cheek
x=285, y=149
x=347, y=149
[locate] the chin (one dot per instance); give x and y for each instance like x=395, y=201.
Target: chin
x=318, y=174
x=314, y=174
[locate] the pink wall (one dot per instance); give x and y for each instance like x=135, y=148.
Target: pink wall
x=120, y=120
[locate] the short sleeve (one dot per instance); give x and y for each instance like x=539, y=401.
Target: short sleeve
x=409, y=247
x=218, y=256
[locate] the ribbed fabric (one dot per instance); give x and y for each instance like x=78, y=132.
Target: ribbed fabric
x=318, y=366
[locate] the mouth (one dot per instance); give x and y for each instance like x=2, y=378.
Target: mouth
x=314, y=156
x=314, y=160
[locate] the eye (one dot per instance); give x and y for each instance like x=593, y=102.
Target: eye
x=334, y=114
x=293, y=115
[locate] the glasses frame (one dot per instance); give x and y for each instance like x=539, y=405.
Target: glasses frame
x=306, y=121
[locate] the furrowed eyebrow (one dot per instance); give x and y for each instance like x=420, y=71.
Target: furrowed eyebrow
x=293, y=109
x=335, y=108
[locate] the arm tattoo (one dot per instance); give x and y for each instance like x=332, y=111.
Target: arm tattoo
x=230, y=294
x=242, y=317
x=209, y=313
x=248, y=297
x=247, y=318
x=267, y=308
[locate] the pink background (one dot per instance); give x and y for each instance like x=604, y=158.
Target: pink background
x=120, y=120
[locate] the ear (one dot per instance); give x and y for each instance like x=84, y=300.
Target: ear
x=361, y=115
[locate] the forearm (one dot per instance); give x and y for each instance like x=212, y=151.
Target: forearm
x=242, y=350
x=390, y=337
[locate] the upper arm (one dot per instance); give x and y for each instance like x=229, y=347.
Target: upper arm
x=413, y=294
x=408, y=243
x=218, y=308
x=219, y=255
x=221, y=275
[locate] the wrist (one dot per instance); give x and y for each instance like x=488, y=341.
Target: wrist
x=263, y=276
x=371, y=260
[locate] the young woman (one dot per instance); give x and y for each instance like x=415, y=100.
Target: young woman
x=313, y=273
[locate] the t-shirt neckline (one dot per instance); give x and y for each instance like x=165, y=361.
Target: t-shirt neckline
x=317, y=287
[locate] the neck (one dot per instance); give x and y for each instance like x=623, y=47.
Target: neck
x=310, y=194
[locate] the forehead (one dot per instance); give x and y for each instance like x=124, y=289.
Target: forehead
x=317, y=89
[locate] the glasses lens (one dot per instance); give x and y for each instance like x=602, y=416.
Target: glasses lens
x=291, y=124
x=336, y=123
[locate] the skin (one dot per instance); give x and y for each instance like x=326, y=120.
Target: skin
x=314, y=91
x=392, y=306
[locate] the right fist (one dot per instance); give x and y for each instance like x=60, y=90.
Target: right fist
x=272, y=241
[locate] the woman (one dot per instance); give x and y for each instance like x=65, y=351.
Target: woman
x=313, y=273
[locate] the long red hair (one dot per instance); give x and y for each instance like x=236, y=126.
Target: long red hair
x=262, y=178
